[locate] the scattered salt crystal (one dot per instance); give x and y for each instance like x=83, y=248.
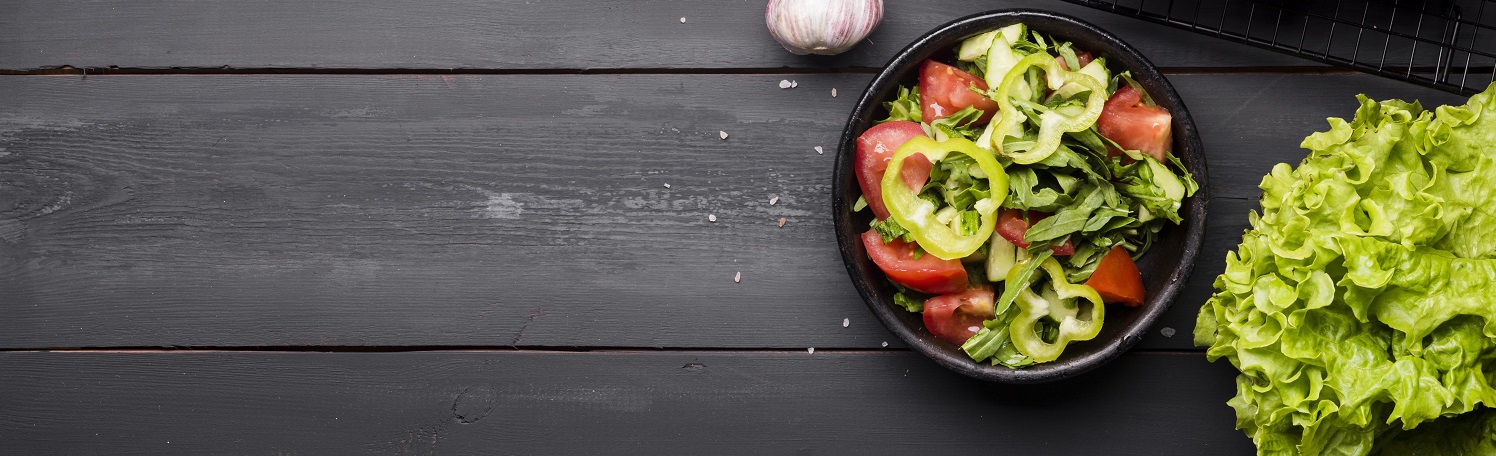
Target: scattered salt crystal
x=784, y=83
x=737, y=278
x=683, y=20
x=794, y=83
x=811, y=350
x=885, y=343
x=833, y=92
x=723, y=134
x=773, y=200
x=1167, y=332
x=821, y=151
x=667, y=185
x=781, y=222
x=711, y=217
x=846, y=322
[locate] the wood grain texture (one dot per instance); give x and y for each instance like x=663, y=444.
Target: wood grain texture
x=584, y=403
x=1249, y=123
x=475, y=34
x=485, y=210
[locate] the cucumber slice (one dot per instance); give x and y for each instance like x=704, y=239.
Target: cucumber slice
x=1165, y=179
x=945, y=215
x=1097, y=69
x=1001, y=256
x=976, y=46
x=1000, y=59
x=1013, y=32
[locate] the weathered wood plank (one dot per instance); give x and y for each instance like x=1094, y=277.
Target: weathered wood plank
x=427, y=210
x=475, y=34
x=581, y=403
x=1251, y=122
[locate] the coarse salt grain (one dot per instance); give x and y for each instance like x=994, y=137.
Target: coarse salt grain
x=683, y=20
x=773, y=200
x=781, y=222
x=784, y=83
x=667, y=185
x=711, y=217
x=794, y=83
x=833, y=92
x=737, y=278
x=1167, y=332
x=885, y=343
x=820, y=151
x=811, y=350
x=723, y=134
x=846, y=322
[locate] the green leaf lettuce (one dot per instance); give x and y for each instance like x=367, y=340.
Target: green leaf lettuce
x=1360, y=307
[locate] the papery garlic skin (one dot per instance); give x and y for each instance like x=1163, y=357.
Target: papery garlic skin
x=824, y=27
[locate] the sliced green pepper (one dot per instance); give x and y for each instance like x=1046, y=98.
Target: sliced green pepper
x=1052, y=123
x=918, y=215
x=1076, y=311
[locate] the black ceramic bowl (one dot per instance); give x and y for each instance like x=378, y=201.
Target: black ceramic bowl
x=1165, y=267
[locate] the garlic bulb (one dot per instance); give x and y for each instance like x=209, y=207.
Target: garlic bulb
x=825, y=27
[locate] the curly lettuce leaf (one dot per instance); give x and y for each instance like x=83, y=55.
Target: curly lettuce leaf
x=1360, y=307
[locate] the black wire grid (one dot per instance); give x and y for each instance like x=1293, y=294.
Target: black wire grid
x=1448, y=45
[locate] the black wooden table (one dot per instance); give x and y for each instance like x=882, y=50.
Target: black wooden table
x=458, y=226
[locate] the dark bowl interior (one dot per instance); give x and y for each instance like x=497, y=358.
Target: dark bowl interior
x=1165, y=267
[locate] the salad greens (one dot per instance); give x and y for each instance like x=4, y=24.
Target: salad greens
x=1359, y=307
x=1041, y=157
x=970, y=224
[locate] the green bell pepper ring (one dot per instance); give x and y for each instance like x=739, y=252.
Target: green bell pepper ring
x=1052, y=124
x=918, y=215
x=1076, y=308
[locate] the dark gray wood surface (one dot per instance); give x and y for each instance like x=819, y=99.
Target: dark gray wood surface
x=748, y=403
x=475, y=34
x=450, y=232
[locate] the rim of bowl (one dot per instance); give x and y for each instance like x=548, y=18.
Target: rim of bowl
x=1120, y=55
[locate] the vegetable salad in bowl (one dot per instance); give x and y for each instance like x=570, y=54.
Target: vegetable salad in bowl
x=1011, y=187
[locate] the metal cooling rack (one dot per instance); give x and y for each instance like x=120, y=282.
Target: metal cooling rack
x=1448, y=45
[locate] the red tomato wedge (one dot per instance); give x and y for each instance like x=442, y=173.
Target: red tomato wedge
x=1084, y=58
x=944, y=89
x=958, y=316
x=1134, y=125
x=875, y=149
x=1117, y=279
x=1066, y=249
x=1012, y=226
x=927, y=274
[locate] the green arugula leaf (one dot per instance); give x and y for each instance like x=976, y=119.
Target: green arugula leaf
x=910, y=304
x=890, y=229
x=904, y=107
x=956, y=125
